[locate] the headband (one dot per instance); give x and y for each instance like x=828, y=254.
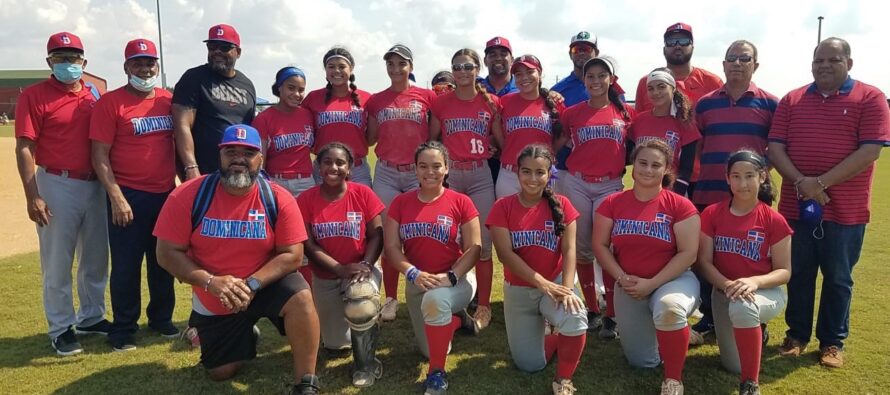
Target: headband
x=748, y=156
x=663, y=76
x=287, y=73
x=328, y=59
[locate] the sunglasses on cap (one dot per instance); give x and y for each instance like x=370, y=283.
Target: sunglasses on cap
x=741, y=59
x=678, y=42
x=463, y=67
x=585, y=49
x=221, y=46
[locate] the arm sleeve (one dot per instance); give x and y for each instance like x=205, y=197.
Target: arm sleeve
x=687, y=161
x=605, y=208
x=498, y=215
x=707, y=220
x=571, y=214
x=186, y=91
x=28, y=117
x=468, y=209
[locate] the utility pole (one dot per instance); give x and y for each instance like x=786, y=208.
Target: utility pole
x=819, y=38
x=161, y=46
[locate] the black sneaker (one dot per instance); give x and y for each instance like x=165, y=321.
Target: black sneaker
x=749, y=387
x=765, y=334
x=608, y=332
x=66, y=344
x=308, y=385
x=704, y=326
x=100, y=328
x=594, y=321
x=122, y=343
x=166, y=329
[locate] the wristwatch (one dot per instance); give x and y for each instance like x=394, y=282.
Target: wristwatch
x=253, y=284
x=452, y=277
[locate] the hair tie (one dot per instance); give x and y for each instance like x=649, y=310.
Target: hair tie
x=553, y=176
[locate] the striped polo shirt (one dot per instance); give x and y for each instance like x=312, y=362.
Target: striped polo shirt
x=821, y=131
x=727, y=126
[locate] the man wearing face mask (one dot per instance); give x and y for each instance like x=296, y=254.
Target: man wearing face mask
x=133, y=155
x=64, y=199
x=208, y=99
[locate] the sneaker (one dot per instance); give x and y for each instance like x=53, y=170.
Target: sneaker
x=100, y=328
x=791, y=347
x=483, y=316
x=704, y=326
x=765, y=331
x=594, y=321
x=66, y=344
x=563, y=387
x=364, y=378
x=436, y=383
x=468, y=323
x=607, y=331
x=831, y=357
x=166, y=329
x=671, y=387
x=695, y=338
x=308, y=385
x=190, y=336
x=390, y=307
x=749, y=387
x=122, y=343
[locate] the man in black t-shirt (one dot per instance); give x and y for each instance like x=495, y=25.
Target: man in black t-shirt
x=208, y=99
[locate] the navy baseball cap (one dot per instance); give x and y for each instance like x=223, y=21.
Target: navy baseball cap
x=243, y=135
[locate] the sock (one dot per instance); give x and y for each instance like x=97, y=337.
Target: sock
x=437, y=339
x=673, y=345
x=484, y=274
x=588, y=285
x=569, y=354
x=609, y=283
x=307, y=274
x=748, y=343
x=390, y=280
x=550, y=345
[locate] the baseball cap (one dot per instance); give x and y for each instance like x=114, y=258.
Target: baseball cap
x=583, y=37
x=530, y=61
x=63, y=40
x=679, y=27
x=223, y=32
x=402, y=51
x=498, y=42
x=140, y=47
x=443, y=77
x=243, y=135
x=603, y=60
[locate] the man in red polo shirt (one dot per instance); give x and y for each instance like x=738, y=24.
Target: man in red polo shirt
x=824, y=141
x=133, y=156
x=64, y=198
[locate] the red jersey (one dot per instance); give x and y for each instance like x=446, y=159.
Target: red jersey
x=429, y=231
x=58, y=121
x=643, y=239
x=290, y=136
x=532, y=235
x=140, y=132
x=742, y=243
x=402, y=122
x=339, y=120
x=525, y=122
x=466, y=125
x=339, y=227
x=673, y=131
x=699, y=83
x=596, y=133
x=234, y=238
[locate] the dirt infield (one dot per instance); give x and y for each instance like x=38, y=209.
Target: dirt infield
x=18, y=235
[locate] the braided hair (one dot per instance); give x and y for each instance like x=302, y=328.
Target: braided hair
x=342, y=53
x=535, y=151
x=556, y=128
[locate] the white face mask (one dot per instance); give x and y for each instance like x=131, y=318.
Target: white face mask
x=145, y=85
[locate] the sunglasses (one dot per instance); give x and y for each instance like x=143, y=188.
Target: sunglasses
x=463, y=67
x=217, y=46
x=741, y=59
x=582, y=49
x=66, y=58
x=678, y=42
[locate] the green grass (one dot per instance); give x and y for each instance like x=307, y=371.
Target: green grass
x=478, y=365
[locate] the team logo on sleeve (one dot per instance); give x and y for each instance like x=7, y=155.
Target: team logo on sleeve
x=439, y=230
x=473, y=125
x=148, y=125
x=659, y=228
x=542, y=123
x=252, y=229
x=296, y=139
x=414, y=113
x=353, y=117
x=614, y=132
x=546, y=238
x=748, y=247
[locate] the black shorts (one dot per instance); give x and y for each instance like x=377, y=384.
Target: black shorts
x=230, y=338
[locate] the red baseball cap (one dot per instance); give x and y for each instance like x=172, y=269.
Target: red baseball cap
x=63, y=40
x=498, y=42
x=223, y=32
x=140, y=47
x=679, y=27
x=530, y=61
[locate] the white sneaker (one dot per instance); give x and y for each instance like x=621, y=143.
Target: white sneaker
x=695, y=338
x=563, y=387
x=671, y=387
x=390, y=307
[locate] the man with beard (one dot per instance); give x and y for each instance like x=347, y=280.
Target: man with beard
x=209, y=98
x=237, y=239
x=695, y=82
x=498, y=60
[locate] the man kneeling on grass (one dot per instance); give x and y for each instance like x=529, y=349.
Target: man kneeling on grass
x=237, y=239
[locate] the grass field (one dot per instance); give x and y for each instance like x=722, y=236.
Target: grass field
x=478, y=365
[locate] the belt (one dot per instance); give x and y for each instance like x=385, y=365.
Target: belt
x=508, y=167
x=592, y=178
x=400, y=168
x=467, y=165
x=77, y=175
x=292, y=176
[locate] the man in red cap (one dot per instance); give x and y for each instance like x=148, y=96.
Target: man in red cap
x=133, y=156
x=64, y=199
x=209, y=98
x=498, y=60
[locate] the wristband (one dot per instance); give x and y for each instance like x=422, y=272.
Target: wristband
x=452, y=277
x=412, y=274
x=366, y=263
x=207, y=283
x=189, y=167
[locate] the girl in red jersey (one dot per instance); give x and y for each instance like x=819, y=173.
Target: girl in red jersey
x=398, y=124
x=339, y=111
x=421, y=236
x=534, y=234
x=745, y=252
x=345, y=239
x=467, y=121
x=529, y=116
x=597, y=130
x=670, y=119
x=647, y=239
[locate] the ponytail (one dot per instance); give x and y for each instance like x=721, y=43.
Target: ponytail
x=684, y=106
x=615, y=99
x=480, y=90
x=556, y=125
x=352, y=90
x=328, y=92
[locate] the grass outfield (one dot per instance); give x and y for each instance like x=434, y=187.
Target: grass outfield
x=478, y=365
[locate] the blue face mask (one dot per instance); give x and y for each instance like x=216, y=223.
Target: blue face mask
x=67, y=73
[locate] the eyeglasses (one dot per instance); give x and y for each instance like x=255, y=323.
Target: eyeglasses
x=223, y=47
x=582, y=49
x=463, y=67
x=741, y=59
x=675, y=42
x=66, y=58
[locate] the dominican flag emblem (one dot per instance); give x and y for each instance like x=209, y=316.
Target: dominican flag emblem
x=256, y=215
x=756, y=236
x=484, y=116
x=353, y=216
x=444, y=220
x=664, y=218
x=548, y=226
